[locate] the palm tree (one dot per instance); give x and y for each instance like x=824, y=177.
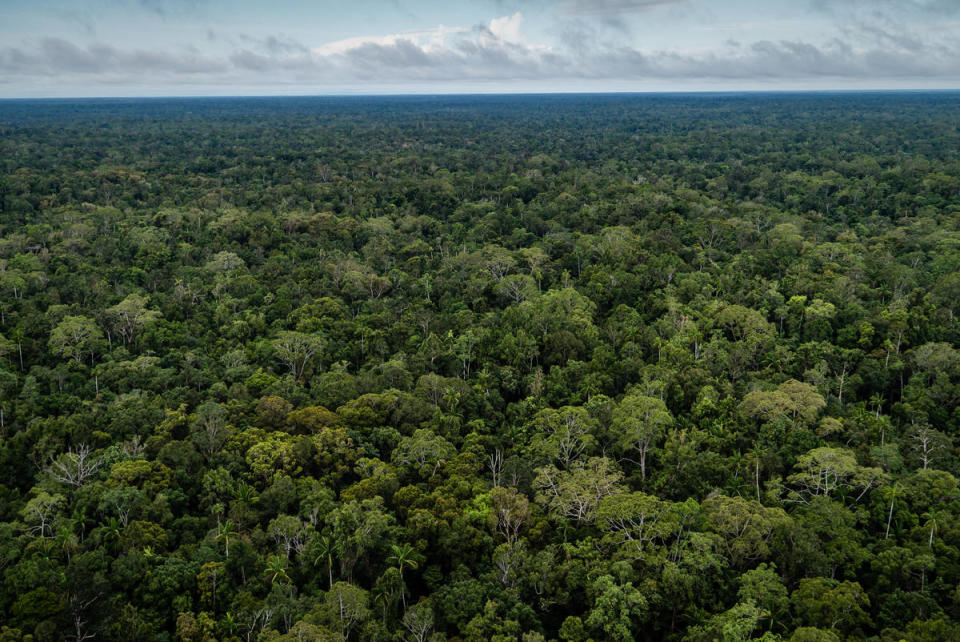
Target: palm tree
x=324, y=549
x=69, y=543
x=245, y=493
x=381, y=595
x=80, y=518
x=276, y=570
x=17, y=335
x=737, y=461
x=877, y=402
x=756, y=456
x=402, y=558
x=894, y=492
x=111, y=531
x=228, y=623
x=933, y=518
x=742, y=467
x=226, y=532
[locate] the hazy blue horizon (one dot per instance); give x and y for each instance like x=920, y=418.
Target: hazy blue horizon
x=692, y=93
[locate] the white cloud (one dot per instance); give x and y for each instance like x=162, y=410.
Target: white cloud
x=507, y=28
x=937, y=8
x=426, y=39
x=613, y=7
x=496, y=52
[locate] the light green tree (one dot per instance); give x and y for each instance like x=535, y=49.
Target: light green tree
x=40, y=513
x=75, y=337
x=346, y=607
x=832, y=472
x=131, y=315
x=616, y=610
x=635, y=519
x=576, y=493
x=640, y=422
x=296, y=350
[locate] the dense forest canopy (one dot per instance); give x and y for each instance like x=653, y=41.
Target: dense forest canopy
x=679, y=367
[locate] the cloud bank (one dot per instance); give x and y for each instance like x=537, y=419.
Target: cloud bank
x=613, y=7
x=496, y=52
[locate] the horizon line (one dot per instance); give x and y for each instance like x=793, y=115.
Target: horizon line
x=467, y=94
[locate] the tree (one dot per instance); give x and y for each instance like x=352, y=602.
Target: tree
x=226, y=532
x=516, y=287
x=122, y=501
x=131, y=315
x=18, y=336
x=805, y=401
x=576, y=493
x=497, y=262
x=289, y=533
x=276, y=570
x=894, y=492
x=209, y=428
x=225, y=262
x=74, y=337
x=75, y=467
x=419, y=620
x=536, y=258
x=764, y=587
x=209, y=579
x=750, y=332
x=296, y=350
x=402, y=557
x=509, y=510
x=734, y=625
x=40, y=513
x=616, y=608
x=562, y=435
x=745, y=526
x=425, y=451
x=799, y=401
x=345, y=606
x=825, y=471
x=927, y=443
x=831, y=604
x=635, y=518
x=323, y=552
x=932, y=520
x=813, y=634
x=272, y=454
x=640, y=422
x=357, y=527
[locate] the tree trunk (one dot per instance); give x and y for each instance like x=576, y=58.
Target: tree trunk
x=890, y=517
x=757, y=477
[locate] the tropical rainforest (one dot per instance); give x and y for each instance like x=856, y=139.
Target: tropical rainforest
x=659, y=367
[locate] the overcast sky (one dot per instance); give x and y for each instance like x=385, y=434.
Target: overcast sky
x=62, y=48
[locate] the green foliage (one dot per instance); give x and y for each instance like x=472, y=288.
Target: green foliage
x=481, y=368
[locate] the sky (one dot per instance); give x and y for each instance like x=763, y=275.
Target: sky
x=85, y=48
